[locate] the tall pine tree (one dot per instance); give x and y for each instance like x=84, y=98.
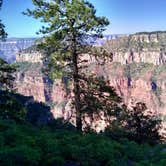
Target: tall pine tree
x=6, y=70
x=68, y=25
x=3, y=34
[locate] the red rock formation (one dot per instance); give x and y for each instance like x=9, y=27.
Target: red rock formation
x=137, y=77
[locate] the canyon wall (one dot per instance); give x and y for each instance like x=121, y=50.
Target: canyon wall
x=139, y=62
x=31, y=57
x=137, y=71
x=138, y=83
x=141, y=47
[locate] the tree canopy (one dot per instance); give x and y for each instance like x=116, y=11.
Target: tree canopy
x=6, y=70
x=3, y=34
x=68, y=25
x=6, y=75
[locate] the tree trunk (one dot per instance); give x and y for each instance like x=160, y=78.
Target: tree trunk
x=77, y=93
x=76, y=85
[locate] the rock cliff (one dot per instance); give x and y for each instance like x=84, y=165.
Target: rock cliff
x=138, y=72
x=141, y=47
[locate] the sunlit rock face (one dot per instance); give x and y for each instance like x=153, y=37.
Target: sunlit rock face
x=30, y=82
x=141, y=47
x=33, y=57
x=141, y=75
x=137, y=71
x=138, y=83
x=145, y=56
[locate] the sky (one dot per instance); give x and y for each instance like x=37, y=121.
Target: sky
x=125, y=16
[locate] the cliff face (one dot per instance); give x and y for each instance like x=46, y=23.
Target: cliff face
x=138, y=72
x=138, y=82
x=155, y=57
x=146, y=48
x=30, y=81
x=31, y=57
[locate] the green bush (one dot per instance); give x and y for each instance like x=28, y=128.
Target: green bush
x=11, y=108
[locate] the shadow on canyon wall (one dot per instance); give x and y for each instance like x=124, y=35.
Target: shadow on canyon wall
x=14, y=106
x=24, y=107
x=138, y=127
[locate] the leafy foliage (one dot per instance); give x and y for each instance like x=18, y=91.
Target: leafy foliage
x=136, y=125
x=21, y=108
x=3, y=34
x=6, y=75
x=11, y=108
x=98, y=98
x=69, y=22
x=143, y=127
x=6, y=70
x=28, y=145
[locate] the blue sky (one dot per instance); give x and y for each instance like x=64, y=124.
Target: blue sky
x=126, y=16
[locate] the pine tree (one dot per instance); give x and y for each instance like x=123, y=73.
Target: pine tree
x=136, y=124
x=6, y=75
x=6, y=70
x=69, y=23
x=3, y=34
x=143, y=126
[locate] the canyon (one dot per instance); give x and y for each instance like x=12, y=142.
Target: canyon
x=137, y=71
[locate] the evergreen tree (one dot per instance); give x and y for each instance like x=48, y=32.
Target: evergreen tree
x=6, y=75
x=6, y=70
x=143, y=126
x=136, y=124
x=99, y=100
x=3, y=34
x=69, y=23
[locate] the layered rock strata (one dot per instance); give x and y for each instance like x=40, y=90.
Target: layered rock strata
x=138, y=72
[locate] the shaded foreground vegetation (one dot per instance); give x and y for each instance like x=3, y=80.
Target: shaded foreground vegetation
x=24, y=144
x=25, y=141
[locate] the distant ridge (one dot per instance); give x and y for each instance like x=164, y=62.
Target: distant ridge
x=149, y=33
x=11, y=46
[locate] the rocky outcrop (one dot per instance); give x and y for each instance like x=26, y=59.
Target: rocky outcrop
x=149, y=37
x=155, y=57
x=12, y=46
x=139, y=48
x=32, y=57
